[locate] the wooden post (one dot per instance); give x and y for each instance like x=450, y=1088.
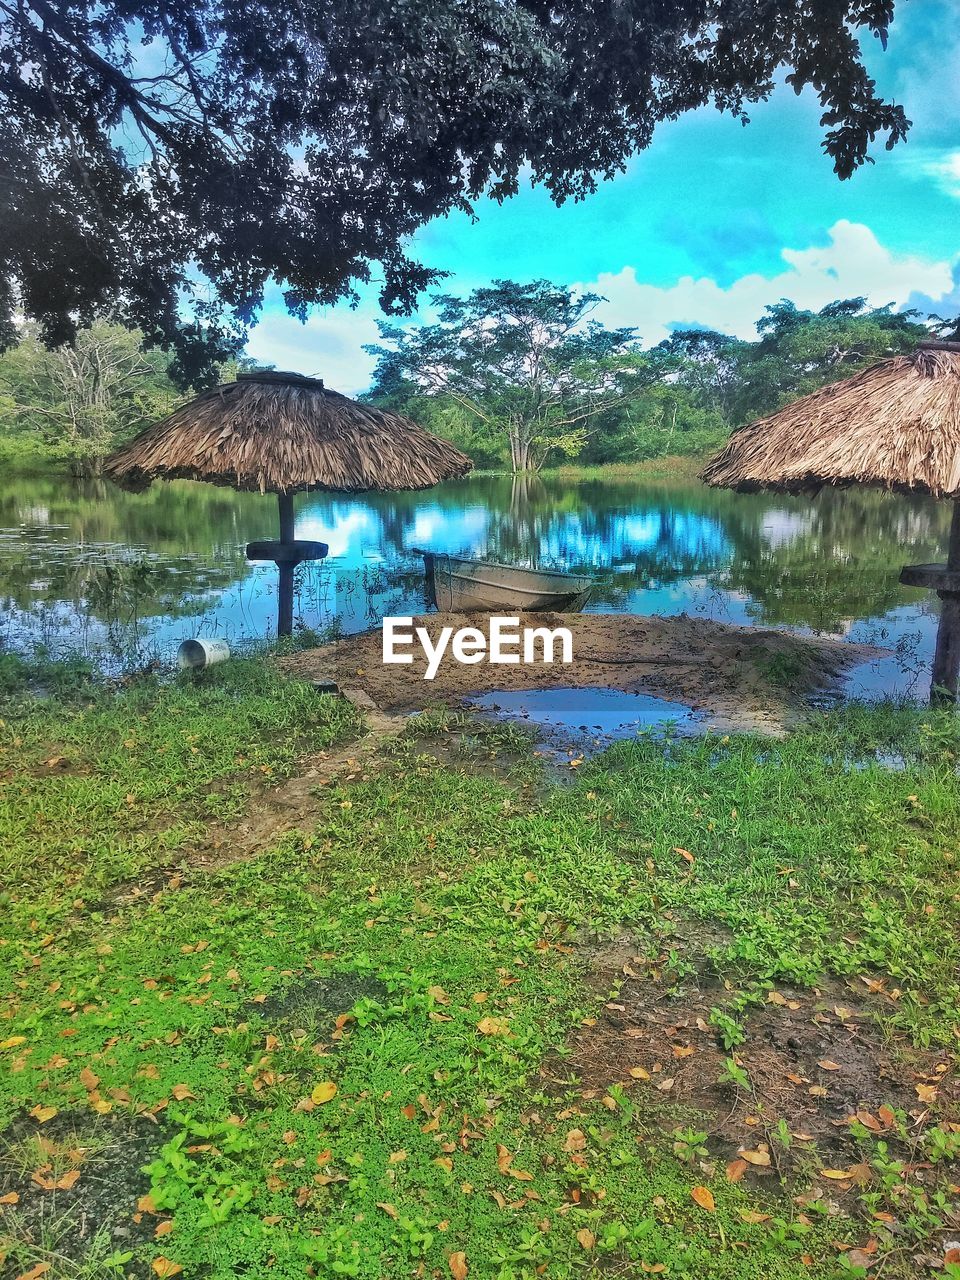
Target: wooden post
x=946, y=659
x=285, y=601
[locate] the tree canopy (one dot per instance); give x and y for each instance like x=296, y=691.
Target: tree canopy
x=161, y=162
x=525, y=360
x=526, y=373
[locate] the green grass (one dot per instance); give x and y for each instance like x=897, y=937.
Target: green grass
x=672, y=466
x=421, y=943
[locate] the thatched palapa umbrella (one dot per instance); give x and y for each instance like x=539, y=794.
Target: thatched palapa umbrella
x=894, y=425
x=282, y=433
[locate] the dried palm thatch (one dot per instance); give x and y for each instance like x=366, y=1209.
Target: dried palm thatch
x=894, y=425
x=283, y=433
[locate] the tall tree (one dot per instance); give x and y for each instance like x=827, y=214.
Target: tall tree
x=74, y=403
x=525, y=360
x=798, y=351
x=707, y=363
x=161, y=160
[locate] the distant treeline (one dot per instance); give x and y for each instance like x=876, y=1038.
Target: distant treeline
x=71, y=405
x=521, y=376
x=524, y=375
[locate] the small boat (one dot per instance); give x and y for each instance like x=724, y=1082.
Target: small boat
x=456, y=585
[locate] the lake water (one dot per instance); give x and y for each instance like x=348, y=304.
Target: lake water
x=125, y=577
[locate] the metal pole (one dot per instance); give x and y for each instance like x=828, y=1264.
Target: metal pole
x=946, y=659
x=285, y=599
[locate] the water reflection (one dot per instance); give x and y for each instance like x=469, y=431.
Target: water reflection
x=128, y=576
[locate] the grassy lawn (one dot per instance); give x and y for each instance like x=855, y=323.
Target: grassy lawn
x=693, y=1013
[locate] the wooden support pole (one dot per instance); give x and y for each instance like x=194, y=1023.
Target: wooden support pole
x=946, y=658
x=285, y=599
x=287, y=521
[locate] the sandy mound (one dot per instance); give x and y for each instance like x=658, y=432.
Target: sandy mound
x=741, y=677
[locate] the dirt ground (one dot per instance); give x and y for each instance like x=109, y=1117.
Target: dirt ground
x=817, y=1069
x=740, y=677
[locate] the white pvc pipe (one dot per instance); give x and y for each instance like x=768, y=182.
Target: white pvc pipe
x=202, y=653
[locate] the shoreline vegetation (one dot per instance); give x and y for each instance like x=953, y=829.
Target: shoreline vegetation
x=670, y=466
x=601, y=398
x=693, y=1013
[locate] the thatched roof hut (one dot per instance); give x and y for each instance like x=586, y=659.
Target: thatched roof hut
x=283, y=433
x=895, y=425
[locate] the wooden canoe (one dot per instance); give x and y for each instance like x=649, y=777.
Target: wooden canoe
x=458, y=585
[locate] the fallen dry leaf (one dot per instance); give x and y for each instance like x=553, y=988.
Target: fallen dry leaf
x=164, y=1267
x=586, y=1238
x=493, y=1027
x=859, y=1258
x=703, y=1196
x=748, y=1215
x=736, y=1169
x=458, y=1266
x=760, y=1157
x=323, y=1092
x=870, y=1122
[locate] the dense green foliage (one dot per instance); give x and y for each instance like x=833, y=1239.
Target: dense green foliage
x=518, y=375
x=71, y=405
x=525, y=362
x=346, y=1056
x=160, y=164
x=523, y=373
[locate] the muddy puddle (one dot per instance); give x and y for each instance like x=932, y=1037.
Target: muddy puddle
x=587, y=720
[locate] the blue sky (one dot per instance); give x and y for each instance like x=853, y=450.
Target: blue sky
x=714, y=220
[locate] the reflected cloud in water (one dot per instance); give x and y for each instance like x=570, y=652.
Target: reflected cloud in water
x=128, y=576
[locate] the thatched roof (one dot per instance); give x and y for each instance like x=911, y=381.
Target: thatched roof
x=283, y=433
x=894, y=425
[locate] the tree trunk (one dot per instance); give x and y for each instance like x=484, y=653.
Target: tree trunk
x=946, y=659
x=86, y=468
x=514, y=438
x=285, y=601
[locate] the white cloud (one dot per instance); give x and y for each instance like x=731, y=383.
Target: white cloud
x=328, y=346
x=945, y=171
x=852, y=263
x=938, y=166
